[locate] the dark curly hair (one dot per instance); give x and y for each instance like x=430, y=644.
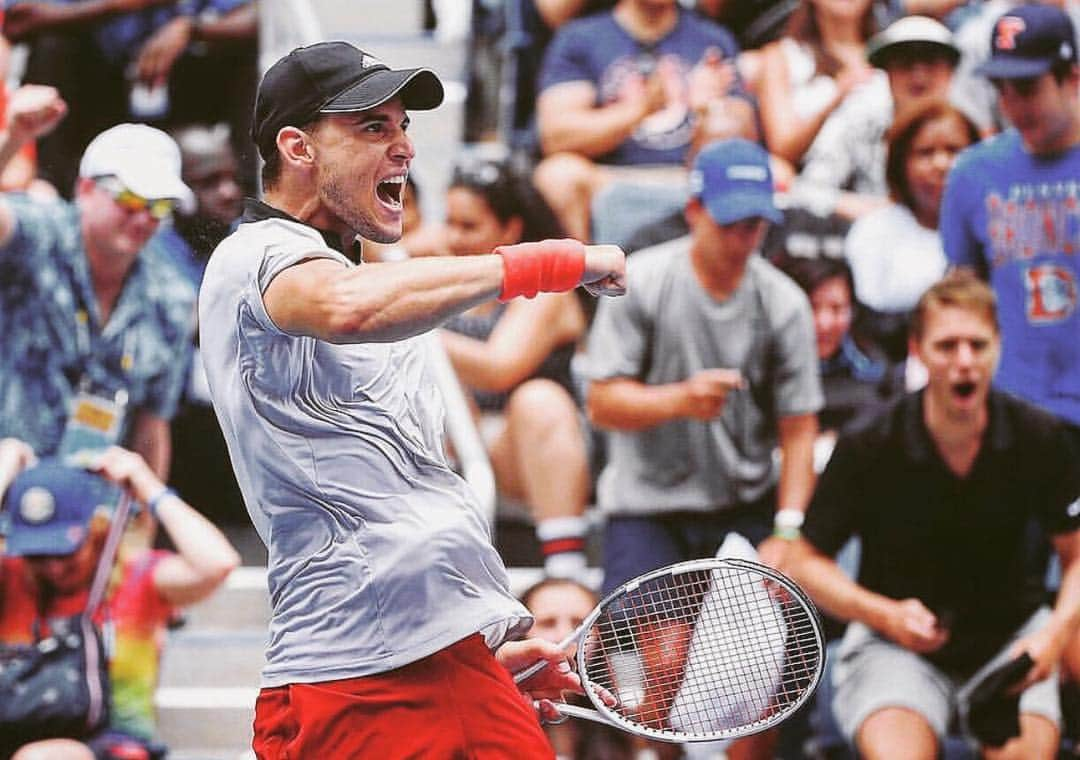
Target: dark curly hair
x=508, y=193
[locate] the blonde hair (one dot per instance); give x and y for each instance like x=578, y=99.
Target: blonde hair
x=960, y=288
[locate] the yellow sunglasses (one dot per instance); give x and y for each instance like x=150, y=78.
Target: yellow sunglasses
x=159, y=208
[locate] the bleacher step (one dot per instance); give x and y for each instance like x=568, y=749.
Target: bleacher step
x=213, y=659
x=214, y=722
x=198, y=753
x=241, y=604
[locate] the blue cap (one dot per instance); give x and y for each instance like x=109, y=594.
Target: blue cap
x=733, y=181
x=49, y=507
x=1028, y=41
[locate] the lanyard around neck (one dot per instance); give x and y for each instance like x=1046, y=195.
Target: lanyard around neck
x=84, y=348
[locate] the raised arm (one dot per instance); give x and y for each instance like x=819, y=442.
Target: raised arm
x=15, y=456
x=33, y=110
x=390, y=301
x=204, y=557
x=378, y=302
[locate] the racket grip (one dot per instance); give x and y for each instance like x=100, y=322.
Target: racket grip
x=539, y=665
x=530, y=671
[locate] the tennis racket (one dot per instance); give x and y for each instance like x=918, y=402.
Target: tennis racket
x=703, y=650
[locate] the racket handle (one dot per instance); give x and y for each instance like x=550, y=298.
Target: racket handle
x=539, y=665
x=530, y=671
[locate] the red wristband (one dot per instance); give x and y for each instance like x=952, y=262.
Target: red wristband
x=550, y=266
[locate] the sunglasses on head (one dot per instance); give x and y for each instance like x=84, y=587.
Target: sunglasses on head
x=159, y=208
x=480, y=174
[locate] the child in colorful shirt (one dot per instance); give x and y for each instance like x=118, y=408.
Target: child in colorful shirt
x=59, y=518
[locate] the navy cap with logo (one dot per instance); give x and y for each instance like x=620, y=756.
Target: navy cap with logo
x=1028, y=41
x=733, y=181
x=49, y=506
x=333, y=77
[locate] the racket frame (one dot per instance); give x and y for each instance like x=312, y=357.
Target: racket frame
x=605, y=714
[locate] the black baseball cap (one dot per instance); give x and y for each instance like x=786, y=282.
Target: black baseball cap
x=1028, y=41
x=333, y=77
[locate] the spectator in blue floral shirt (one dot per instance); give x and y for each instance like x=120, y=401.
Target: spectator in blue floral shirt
x=96, y=332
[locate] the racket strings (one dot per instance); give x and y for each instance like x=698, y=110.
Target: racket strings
x=705, y=652
x=744, y=626
x=640, y=648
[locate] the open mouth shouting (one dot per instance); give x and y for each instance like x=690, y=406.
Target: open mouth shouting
x=391, y=192
x=964, y=389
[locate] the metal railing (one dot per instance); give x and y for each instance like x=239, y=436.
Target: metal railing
x=461, y=428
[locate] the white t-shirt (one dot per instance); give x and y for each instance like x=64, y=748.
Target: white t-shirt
x=378, y=553
x=894, y=258
x=810, y=91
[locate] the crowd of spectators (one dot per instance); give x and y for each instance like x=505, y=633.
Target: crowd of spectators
x=863, y=109
x=797, y=181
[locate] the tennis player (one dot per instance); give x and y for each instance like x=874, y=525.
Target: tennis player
x=393, y=628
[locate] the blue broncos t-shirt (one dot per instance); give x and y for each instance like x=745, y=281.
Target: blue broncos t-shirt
x=1016, y=217
x=596, y=49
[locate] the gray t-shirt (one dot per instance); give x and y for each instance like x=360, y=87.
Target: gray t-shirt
x=378, y=553
x=667, y=328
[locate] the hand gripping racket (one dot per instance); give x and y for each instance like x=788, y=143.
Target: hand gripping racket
x=703, y=650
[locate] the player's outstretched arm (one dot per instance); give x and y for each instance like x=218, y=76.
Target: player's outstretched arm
x=605, y=270
x=384, y=302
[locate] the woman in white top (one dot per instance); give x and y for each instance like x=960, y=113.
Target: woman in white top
x=811, y=69
x=895, y=252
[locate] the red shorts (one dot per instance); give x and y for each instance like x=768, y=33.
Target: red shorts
x=457, y=703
